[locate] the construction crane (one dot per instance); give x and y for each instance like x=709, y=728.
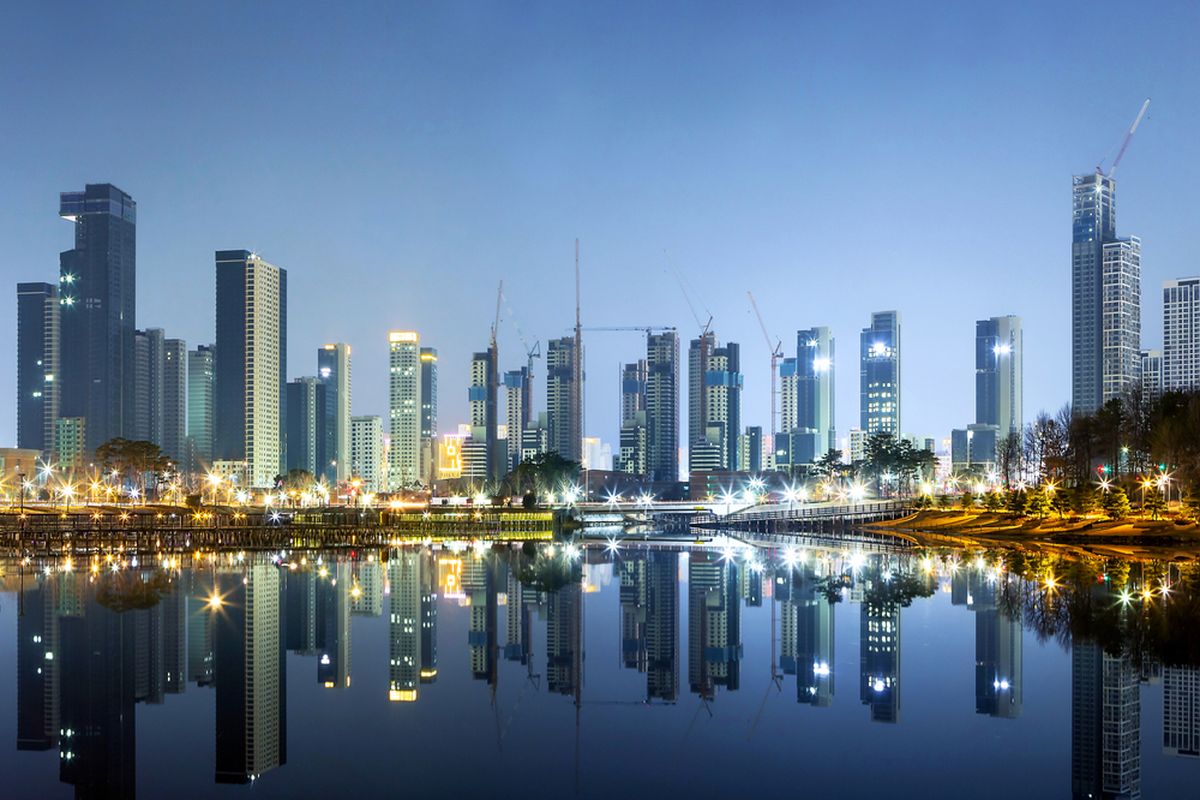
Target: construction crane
x=776, y=354
x=647, y=329
x=530, y=352
x=496, y=323
x=1124, y=144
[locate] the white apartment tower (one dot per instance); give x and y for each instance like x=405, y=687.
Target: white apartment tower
x=404, y=408
x=1181, y=334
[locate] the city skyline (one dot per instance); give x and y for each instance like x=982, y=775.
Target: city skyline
x=736, y=253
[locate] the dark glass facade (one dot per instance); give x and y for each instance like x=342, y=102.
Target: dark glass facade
x=97, y=301
x=37, y=353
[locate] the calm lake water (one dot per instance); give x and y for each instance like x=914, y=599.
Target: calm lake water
x=547, y=671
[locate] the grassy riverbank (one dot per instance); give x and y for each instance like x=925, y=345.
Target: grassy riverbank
x=960, y=528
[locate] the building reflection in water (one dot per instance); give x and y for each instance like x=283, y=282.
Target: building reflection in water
x=811, y=628
x=251, y=670
x=404, y=625
x=879, y=643
x=92, y=646
x=999, y=685
x=334, y=600
x=714, y=624
x=1105, y=724
x=649, y=599
x=1181, y=711
x=564, y=639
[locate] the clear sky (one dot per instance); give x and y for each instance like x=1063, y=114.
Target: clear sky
x=400, y=159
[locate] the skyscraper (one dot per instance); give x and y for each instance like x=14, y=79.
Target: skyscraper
x=404, y=408
x=814, y=395
x=518, y=405
x=98, y=315
x=38, y=377
x=879, y=376
x=307, y=401
x=698, y=352
x=662, y=406
x=201, y=374
x=633, y=439
x=149, y=360
x=563, y=398
x=483, y=408
x=720, y=404
x=174, y=400
x=1181, y=334
x=429, y=414
x=366, y=452
x=333, y=369
x=633, y=390
x=999, y=350
x=251, y=363
x=1105, y=296
x=1121, y=313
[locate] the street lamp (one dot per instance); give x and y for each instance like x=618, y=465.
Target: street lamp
x=24, y=485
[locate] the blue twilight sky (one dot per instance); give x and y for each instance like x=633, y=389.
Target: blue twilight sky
x=400, y=159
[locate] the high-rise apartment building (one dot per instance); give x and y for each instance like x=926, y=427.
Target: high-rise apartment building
x=174, y=400
x=98, y=311
x=307, y=401
x=1152, y=376
x=333, y=370
x=1121, y=313
x=1181, y=334
x=879, y=375
x=720, y=402
x=564, y=392
x=1105, y=296
x=429, y=415
x=201, y=381
x=698, y=352
x=38, y=378
x=633, y=440
x=404, y=408
x=251, y=364
x=483, y=408
x=149, y=357
x=70, y=442
x=787, y=396
x=366, y=453
x=999, y=351
x=518, y=405
x=662, y=406
x=815, y=426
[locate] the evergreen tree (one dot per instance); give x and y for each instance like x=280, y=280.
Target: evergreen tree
x=1037, y=504
x=1116, y=504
